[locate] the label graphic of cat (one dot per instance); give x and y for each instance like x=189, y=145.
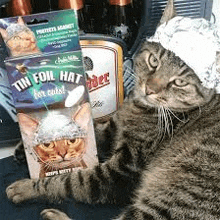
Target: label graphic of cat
x=59, y=142
x=19, y=39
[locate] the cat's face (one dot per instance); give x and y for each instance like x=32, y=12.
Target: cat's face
x=61, y=153
x=23, y=42
x=59, y=138
x=163, y=79
x=19, y=39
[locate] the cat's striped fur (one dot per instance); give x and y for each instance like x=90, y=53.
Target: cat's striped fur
x=165, y=140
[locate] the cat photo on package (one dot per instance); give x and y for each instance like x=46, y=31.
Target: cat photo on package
x=19, y=39
x=58, y=140
x=41, y=33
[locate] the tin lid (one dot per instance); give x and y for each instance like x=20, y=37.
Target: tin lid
x=103, y=37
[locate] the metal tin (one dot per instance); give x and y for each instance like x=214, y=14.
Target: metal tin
x=103, y=63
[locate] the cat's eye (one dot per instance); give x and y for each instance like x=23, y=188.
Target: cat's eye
x=16, y=38
x=48, y=145
x=153, y=61
x=180, y=82
x=71, y=141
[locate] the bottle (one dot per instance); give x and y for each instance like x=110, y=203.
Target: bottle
x=121, y=20
x=19, y=7
x=78, y=6
x=40, y=6
x=95, y=11
x=3, y=11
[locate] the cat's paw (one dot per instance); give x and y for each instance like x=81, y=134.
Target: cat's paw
x=54, y=214
x=21, y=190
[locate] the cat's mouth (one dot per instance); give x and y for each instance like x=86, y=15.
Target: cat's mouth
x=79, y=163
x=31, y=44
x=154, y=100
x=64, y=161
x=63, y=164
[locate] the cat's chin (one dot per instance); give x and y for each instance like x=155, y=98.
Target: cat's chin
x=63, y=164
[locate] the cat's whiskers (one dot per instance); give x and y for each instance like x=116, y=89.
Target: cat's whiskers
x=165, y=123
x=46, y=167
x=71, y=164
x=169, y=124
x=170, y=111
x=47, y=164
x=74, y=160
x=38, y=157
x=200, y=110
x=161, y=123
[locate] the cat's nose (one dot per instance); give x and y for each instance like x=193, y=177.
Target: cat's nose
x=149, y=91
x=153, y=86
x=62, y=153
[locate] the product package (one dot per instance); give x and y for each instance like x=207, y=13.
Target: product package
x=48, y=85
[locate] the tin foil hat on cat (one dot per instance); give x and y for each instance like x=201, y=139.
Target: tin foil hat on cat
x=14, y=29
x=196, y=42
x=56, y=126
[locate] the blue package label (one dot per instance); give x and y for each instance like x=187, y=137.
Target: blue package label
x=40, y=33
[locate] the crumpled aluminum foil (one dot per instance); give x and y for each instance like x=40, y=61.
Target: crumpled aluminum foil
x=56, y=126
x=14, y=29
x=195, y=41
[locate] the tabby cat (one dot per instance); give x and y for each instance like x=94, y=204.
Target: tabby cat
x=165, y=161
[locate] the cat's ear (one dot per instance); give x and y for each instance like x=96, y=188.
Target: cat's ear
x=20, y=21
x=83, y=115
x=27, y=124
x=169, y=12
x=4, y=33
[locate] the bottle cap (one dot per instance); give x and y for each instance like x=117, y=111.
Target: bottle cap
x=74, y=4
x=19, y=7
x=120, y=2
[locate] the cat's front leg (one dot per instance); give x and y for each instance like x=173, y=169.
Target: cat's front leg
x=22, y=190
x=136, y=213
x=54, y=214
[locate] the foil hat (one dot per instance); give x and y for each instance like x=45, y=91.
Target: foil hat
x=14, y=29
x=196, y=42
x=56, y=126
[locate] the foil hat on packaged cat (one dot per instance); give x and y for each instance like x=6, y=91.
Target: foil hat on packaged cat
x=56, y=126
x=14, y=29
x=196, y=42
